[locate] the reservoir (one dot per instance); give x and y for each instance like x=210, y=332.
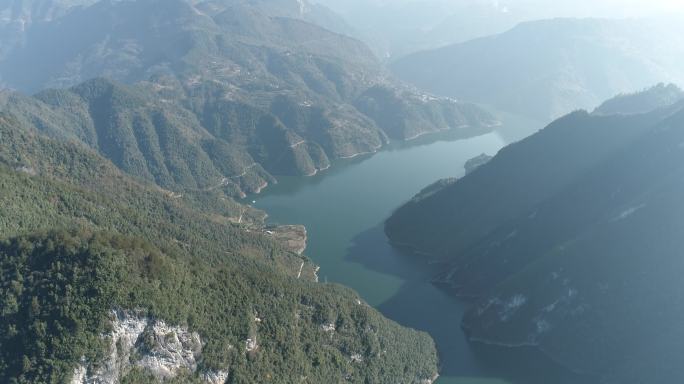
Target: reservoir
x=344, y=209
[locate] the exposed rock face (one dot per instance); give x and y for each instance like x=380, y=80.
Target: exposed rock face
x=167, y=349
x=126, y=330
x=79, y=375
x=163, y=350
x=251, y=344
x=219, y=377
x=430, y=381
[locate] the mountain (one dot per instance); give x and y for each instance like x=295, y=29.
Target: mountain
x=198, y=140
x=569, y=242
x=401, y=27
x=545, y=69
x=132, y=40
x=124, y=256
x=305, y=10
x=217, y=92
x=27, y=12
x=18, y=16
x=148, y=138
x=106, y=278
x=397, y=28
x=661, y=95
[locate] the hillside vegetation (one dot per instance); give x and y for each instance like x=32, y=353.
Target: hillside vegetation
x=569, y=241
x=220, y=94
x=81, y=239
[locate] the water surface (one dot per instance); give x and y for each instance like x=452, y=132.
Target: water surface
x=344, y=210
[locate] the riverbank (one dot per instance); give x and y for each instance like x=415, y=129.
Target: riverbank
x=343, y=210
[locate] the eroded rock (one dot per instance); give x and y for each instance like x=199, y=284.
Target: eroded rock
x=139, y=341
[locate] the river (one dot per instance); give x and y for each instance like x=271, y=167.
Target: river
x=344, y=210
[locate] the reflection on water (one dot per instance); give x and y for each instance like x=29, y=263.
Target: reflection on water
x=344, y=210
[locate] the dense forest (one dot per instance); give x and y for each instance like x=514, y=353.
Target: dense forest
x=135, y=133
x=83, y=239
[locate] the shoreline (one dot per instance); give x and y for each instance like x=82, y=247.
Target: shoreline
x=476, y=131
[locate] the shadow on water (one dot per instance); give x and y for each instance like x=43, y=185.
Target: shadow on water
x=342, y=208
x=418, y=299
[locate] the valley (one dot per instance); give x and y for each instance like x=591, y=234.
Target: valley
x=563, y=254
x=341, y=191
x=344, y=211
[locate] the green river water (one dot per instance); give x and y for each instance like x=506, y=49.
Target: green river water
x=344, y=209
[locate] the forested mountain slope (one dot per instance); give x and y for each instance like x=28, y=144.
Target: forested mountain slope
x=108, y=278
x=220, y=92
x=199, y=141
x=569, y=241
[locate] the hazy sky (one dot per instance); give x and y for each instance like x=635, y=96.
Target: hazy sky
x=398, y=27
x=616, y=7
x=602, y=8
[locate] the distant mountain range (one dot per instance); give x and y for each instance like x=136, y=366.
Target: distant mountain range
x=401, y=27
x=133, y=40
x=397, y=28
x=545, y=69
x=18, y=16
x=570, y=240
x=221, y=93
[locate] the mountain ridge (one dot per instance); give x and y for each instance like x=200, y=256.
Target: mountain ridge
x=542, y=68
x=245, y=92
x=561, y=241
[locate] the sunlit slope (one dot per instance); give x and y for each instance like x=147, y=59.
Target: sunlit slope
x=217, y=92
x=81, y=239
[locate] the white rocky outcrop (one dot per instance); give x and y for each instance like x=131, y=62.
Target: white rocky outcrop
x=79, y=374
x=126, y=330
x=251, y=344
x=219, y=377
x=329, y=327
x=139, y=341
x=167, y=350
x=431, y=380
